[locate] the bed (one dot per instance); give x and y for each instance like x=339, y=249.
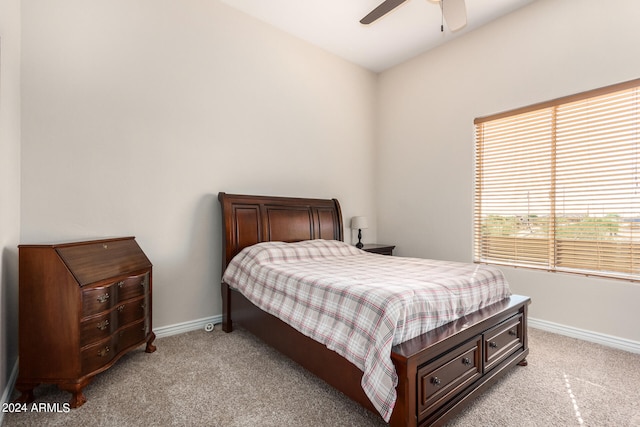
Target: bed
x=438, y=372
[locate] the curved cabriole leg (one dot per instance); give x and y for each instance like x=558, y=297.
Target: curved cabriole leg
x=150, y=347
x=77, y=398
x=523, y=362
x=26, y=390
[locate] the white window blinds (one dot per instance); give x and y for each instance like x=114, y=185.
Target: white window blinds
x=558, y=184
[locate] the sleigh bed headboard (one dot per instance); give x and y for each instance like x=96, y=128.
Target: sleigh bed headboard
x=247, y=220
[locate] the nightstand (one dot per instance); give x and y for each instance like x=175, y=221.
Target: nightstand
x=379, y=249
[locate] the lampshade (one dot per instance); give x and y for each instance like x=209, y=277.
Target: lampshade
x=359, y=222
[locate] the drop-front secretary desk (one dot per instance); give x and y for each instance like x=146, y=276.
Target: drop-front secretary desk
x=82, y=306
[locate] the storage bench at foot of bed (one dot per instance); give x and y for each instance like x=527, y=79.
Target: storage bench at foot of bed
x=455, y=362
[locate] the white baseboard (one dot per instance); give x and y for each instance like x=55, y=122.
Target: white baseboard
x=582, y=334
x=192, y=325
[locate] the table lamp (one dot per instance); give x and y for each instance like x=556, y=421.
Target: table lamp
x=359, y=222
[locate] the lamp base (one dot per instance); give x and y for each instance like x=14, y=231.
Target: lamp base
x=359, y=245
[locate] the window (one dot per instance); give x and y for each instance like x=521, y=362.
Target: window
x=558, y=184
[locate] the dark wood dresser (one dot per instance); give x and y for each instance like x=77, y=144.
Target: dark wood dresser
x=82, y=306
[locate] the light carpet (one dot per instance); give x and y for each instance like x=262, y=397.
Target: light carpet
x=227, y=380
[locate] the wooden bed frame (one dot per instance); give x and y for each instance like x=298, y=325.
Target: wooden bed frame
x=439, y=372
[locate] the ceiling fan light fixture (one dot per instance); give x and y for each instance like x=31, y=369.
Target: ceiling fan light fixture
x=455, y=13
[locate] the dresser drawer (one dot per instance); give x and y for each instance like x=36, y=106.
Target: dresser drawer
x=449, y=374
x=133, y=286
x=132, y=311
x=97, y=355
x=98, y=299
x=99, y=327
x=502, y=340
x=132, y=335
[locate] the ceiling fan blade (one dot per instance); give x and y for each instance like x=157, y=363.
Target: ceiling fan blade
x=455, y=13
x=384, y=8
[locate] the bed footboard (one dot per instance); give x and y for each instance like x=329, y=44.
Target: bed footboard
x=444, y=369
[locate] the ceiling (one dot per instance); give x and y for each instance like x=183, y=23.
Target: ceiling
x=412, y=28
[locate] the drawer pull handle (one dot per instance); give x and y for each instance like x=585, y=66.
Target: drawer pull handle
x=435, y=381
x=466, y=361
x=512, y=332
x=121, y=308
x=103, y=352
x=143, y=282
x=103, y=325
x=493, y=344
x=103, y=298
x=143, y=306
x=121, y=283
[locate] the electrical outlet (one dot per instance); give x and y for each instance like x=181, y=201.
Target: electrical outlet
x=208, y=327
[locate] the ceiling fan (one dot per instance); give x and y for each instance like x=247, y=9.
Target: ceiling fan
x=453, y=11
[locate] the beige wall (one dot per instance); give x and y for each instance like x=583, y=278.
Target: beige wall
x=425, y=157
x=136, y=114
x=9, y=184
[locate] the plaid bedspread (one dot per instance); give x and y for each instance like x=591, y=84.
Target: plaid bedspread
x=360, y=304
